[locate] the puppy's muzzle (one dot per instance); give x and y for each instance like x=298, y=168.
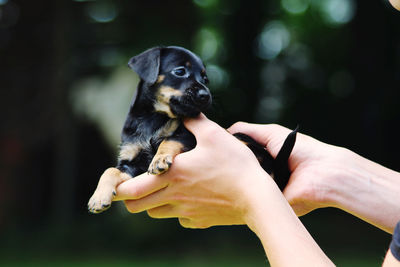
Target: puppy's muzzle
x=201, y=97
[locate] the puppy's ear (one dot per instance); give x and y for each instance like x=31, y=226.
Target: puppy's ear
x=147, y=64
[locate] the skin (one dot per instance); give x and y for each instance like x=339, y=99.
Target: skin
x=395, y=4
x=240, y=192
x=390, y=260
x=322, y=176
x=237, y=192
x=329, y=176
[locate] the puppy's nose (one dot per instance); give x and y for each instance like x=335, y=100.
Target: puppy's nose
x=203, y=97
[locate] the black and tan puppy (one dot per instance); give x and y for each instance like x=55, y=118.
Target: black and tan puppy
x=172, y=86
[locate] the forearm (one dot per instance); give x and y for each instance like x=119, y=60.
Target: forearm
x=285, y=239
x=368, y=191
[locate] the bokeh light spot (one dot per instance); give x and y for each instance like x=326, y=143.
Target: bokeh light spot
x=105, y=101
x=298, y=56
x=102, y=12
x=269, y=109
x=110, y=57
x=207, y=43
x=218, y=77
x=274, y=38
x=273, y=74
x=205, y=3
x=337, y=12
x=295, y=6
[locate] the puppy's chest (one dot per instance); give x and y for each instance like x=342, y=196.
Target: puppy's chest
x=167, y=129
x=147, y=141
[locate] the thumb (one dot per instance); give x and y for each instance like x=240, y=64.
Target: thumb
x=201, y=127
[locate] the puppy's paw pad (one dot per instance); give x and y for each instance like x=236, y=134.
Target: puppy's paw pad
x=160, y=164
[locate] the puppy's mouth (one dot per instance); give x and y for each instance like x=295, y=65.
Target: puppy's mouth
x=191, y=103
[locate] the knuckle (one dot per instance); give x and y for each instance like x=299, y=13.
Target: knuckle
x=186, y=223
x=176, y=179
x=178, y=197
x=136, y=192
x=202, y=226
x=153, y=214
x=239, y=124
x=278, y=128
x=237, y=127
x=187, y=213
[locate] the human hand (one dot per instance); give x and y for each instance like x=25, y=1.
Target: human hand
x=313, y=164
x=213, y=184
x=329, y=176
x=220, y=182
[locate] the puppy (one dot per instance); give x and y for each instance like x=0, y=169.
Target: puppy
x=172, y=86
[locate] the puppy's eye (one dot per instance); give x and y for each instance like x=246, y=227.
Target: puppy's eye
x=179, y=71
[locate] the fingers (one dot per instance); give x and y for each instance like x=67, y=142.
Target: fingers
x=148, y=202
x=268, y=135
x=169, y=211
x=260, y=132
x=186, y=223
x=140, y=186
x=163, y=212
x=192, y=224
x=257, y=131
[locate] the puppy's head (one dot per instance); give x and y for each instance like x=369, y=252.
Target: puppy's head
x=175, y=79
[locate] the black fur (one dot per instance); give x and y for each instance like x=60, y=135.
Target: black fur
x=180, y=70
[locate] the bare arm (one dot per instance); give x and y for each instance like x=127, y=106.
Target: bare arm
x=286, y=241
x=328, y=176
x=368, y=191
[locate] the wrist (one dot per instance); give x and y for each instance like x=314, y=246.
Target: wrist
x=280, y=231
x=366, y=190
x=258, y=199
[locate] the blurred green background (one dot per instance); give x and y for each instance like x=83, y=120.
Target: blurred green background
x=331, y=66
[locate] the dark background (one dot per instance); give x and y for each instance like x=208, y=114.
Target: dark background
x=331, y=66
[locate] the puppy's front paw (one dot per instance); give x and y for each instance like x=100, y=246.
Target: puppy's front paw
x=101, y=199
x=160, y=164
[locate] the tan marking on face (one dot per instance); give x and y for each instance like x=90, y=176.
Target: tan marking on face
x=163, y=97
x=166, y=92
x=129, y=151
x=188, y=64
x=160, y=79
